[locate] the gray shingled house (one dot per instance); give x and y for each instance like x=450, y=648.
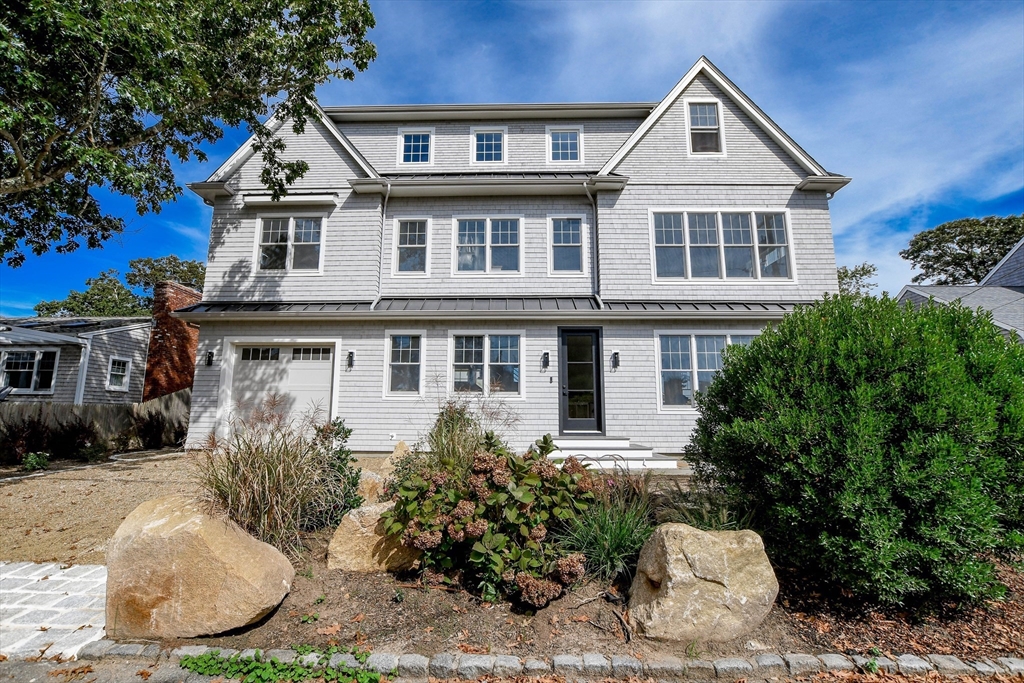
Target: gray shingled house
x=74, y=360
x=1001, y=293
x=584, y=264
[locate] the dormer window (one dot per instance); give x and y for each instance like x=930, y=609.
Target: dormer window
x=415, y=146
x=488, y=145
x=705, y=128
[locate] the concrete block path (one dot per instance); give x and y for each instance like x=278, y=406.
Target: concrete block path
x=48, y=610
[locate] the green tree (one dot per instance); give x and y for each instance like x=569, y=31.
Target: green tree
x=145, y=273
x=962, y=252
x=854, y=281
x=105, y=296
x=98, y=94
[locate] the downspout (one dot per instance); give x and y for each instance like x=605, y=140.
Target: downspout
x=595, y=245
x=380, y=264
x=83, y=369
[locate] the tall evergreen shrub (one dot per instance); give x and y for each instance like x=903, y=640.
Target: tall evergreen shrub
x=879, y=446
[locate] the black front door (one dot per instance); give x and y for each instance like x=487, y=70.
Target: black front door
x=580, y=374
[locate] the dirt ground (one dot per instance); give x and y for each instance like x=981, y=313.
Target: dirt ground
x=68, y=516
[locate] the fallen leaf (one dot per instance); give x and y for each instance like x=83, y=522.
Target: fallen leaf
x=582, y=617
x=358, y=618
x=144, y=674
x=428, y=629
x=330, y=630
x=473, y=649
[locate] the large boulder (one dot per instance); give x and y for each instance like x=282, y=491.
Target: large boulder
x=174, y=571
x=359, y=544
x=370, y=486
x=694, y=585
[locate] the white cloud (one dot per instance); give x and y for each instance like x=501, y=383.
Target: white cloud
x=199, y=239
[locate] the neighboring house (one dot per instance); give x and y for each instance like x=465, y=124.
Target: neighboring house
x=583, y=264
x=99, y=360
x=1001, y=293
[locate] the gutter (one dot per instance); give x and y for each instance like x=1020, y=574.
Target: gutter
x=479, y=187
x=595, y=247
x=380, y=263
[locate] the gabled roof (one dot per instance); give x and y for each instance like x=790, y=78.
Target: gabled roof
x=1006, y=304
x=13, y=335
x=1010, y=256
x=709, y=70
x=213, y=186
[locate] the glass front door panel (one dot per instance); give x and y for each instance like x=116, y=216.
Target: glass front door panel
x=580, y=381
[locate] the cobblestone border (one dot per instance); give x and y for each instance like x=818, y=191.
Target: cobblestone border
x=592, y=665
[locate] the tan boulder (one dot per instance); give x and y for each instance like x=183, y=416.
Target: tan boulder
x=370, y=486
x=174, y=571
x=401, y=450
x=694, y=585
x=359, y=544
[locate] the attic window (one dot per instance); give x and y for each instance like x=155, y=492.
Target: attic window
x=705, y=132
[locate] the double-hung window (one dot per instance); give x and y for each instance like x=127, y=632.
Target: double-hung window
x=691, y=361
x=565, y=145
x=488, y=145
x=290, y=244
x=717, y=244
x=487, y=245
x=415, y=146
x=404, y=365
x=705, y=128
x=411, y=254
x=567, y=245
x=29, y=371
x=486, y=364
x=118, y=374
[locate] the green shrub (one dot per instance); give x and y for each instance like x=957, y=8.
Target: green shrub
x=701, y=509
x=72, y=439
x=879, y=446
x=491, y=528
x=19, y=437
x=276, y=476
x=150, y=429
x=614, y=529
x=35, y=461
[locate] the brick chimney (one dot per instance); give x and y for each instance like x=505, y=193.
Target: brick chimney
x=172, y=343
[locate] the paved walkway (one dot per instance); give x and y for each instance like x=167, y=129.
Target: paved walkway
x=48, y=610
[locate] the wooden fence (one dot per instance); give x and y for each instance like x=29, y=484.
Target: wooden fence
x=110, y=421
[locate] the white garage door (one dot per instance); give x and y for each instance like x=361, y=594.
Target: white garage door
x=300, y=375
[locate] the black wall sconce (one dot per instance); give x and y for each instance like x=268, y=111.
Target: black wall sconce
x=615, y=360
x=209, y=358
x=545, y=360
x=350, y=360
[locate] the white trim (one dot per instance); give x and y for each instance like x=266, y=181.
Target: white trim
x=548, y=130
x=83, y=371
x=487, y=272
x=584, y=240
x=395, y=221
x=256, y=200
x=290, y=217
x=692, y=333
x=386, y=393
x=127, y=375
x=473, y=130
x=123, y=328
x=1003, y=260
x=227, y=370
x=721, y=279
x=721, y=154
x=431, y=150
x=360, y=160
x=486, y=334
x=703, y=65
x=37, y=350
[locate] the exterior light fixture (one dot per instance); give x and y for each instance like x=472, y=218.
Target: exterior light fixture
x=615, y=360
x=545, y=360
x=209, y=358
x=350, y=360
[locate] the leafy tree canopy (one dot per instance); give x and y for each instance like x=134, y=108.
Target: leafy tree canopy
x=106, y=295
x=962, y=252
x=855, y=281
x=98, y=94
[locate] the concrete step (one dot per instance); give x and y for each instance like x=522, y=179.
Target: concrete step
x=654, y=462
x=636, y=452
x=573, y=441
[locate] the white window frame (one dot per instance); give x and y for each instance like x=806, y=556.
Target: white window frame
x=487, y=272
x=721, y=279
x=389, y=395
x=127, y=374
x=394, y=247
x=488, y=129
x=548, y=130
x=431, y=149
x=38, y=350
x=692, y=334
x=486, y=334
x=687, y=101
x=584, y=253
x=291, y=217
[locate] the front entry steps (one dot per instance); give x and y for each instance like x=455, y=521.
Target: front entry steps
x=610, y=453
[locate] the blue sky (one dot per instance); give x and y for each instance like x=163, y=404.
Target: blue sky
x=922, y=103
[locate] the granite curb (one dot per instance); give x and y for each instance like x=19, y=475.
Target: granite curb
x=596, y=666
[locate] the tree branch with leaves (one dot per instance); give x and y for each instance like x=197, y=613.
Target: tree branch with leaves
x=106, y=95
x=962, y=252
